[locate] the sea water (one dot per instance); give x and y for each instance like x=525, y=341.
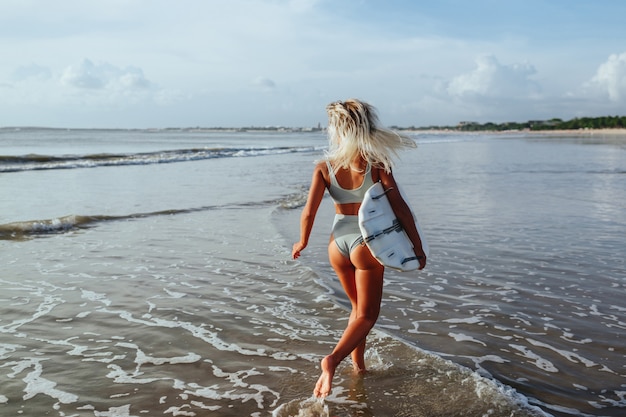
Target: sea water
x=148, y=273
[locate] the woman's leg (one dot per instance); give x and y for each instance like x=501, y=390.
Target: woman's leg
x=346, y=272
x=362, y=279
x=369, y=288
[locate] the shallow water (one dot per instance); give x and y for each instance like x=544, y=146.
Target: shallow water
x=162, y=284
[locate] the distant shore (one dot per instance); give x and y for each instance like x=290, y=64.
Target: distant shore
x=586, y=132
x=618, y=132
x=581, y=132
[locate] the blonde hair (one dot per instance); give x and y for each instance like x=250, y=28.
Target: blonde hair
x=353, y=132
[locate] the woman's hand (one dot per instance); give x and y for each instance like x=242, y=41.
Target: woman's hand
x=421, y=259
x=297, y=248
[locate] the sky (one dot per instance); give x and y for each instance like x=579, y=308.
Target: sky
x=234, y=63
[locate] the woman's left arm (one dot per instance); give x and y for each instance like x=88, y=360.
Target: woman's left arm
x=403, y=213
x=316, y=193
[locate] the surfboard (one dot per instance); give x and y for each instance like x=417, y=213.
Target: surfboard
x=383, y=234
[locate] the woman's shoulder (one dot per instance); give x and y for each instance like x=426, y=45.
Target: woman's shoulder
x=385, y=177
x=321, y=169
x=378, y=172
x=321, y=166
x=327, y=164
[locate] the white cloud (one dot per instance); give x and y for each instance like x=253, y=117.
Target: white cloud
x=90, y=76
x=610, y=79
x=492, y=79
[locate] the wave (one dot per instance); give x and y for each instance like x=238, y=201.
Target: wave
x=28, y=229
x=10, y=163
x=24, y=230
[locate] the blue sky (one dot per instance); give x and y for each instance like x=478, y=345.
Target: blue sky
x=157, y=63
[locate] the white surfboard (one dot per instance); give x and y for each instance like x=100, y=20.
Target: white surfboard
x=383, y=234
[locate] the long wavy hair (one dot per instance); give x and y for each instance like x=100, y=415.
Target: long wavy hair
x=353, y=132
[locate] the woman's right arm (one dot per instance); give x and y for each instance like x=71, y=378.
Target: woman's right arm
x=316, y=193
x=404, y=214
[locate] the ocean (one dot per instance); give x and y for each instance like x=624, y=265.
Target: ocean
x=148, y=273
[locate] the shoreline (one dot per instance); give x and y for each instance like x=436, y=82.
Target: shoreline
x=555, y=133
x=580, y=132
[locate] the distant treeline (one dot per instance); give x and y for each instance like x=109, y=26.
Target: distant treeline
x=605, y=122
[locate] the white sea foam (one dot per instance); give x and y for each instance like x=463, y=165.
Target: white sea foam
x=310, y=407
x=122, y=411
x=539, y=362
x=571, y=356
x=460, y=337
x=93, y=296
x=37, y=384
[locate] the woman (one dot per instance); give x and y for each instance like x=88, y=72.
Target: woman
x=359, y=155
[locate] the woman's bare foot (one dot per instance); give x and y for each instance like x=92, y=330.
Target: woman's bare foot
x=325, y=381
x=359, y=371
x=358, y=364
